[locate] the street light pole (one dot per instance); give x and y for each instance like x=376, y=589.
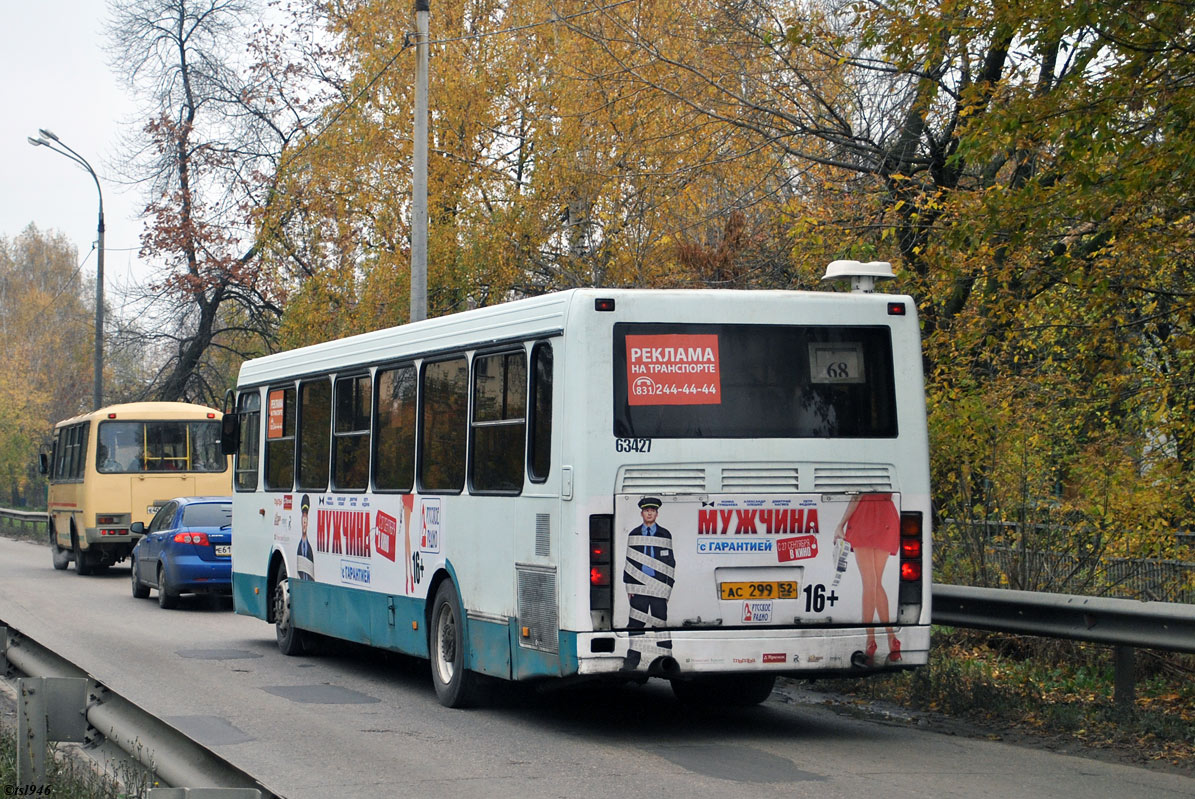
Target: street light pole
x=48, y=139
x=419, y=176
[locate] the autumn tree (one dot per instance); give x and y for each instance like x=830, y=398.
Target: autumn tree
x=1026, y=166
x=204, y=155
x=46, y=335
x=549, y=168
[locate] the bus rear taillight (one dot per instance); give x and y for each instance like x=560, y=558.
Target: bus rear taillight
x=911, y=550
x=112, y=523
x=601, y=582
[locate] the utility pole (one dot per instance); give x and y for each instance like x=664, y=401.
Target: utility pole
x=419, y=182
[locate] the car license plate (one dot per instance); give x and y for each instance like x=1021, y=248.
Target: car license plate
x=223, y=550
x=767, y=589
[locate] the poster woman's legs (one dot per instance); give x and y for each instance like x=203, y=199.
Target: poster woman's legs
x=871, y=564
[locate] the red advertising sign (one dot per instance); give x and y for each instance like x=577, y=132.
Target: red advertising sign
x=387, y=533
x=799, y=548
x=275, y=411
x=673, y=369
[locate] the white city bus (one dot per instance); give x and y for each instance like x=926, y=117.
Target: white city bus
x=712, y=487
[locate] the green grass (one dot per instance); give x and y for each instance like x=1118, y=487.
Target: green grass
x=1049, y=688
x=69, y=777
x=24, y=532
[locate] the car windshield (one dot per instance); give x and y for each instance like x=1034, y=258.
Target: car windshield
x=208, y=514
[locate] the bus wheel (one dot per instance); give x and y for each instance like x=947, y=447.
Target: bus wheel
x=730, y=690
x=61, y=556
x=82, y=559
x=167, y=596
x=291, y=640
x=455, y=685
x=140, y=589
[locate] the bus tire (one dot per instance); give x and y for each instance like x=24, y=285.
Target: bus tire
x=61, y=557
x=140, y=589
x=728, y=690
x=291, y=640
x=167, y=596
x=455, y=685
x=82, y=559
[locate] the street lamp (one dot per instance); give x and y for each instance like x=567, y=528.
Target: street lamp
x=48, y=139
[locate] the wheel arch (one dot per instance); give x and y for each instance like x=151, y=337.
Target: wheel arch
x=277, y=563
x=442, y=574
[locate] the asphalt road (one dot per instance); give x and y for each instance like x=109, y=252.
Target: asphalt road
x=356, y=723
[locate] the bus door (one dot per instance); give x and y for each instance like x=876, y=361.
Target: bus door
x=731, y=560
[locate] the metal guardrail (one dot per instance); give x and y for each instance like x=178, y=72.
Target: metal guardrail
x=1100, y=620
x=22, y=520
x=1126, y=624
x=49, y=693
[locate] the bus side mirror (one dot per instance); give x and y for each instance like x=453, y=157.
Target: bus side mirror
x=230, y=433
x=43, y=463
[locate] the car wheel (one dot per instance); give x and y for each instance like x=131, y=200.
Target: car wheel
x=731, y=690
x=291, y=640
x=140, y=589
x=61, y=556
x=167, y=597
x=455, y=685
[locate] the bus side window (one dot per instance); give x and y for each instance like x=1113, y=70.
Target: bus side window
x=443, y=415
x=394, y=435
x=78, y=451
x=56, y=454
x=315, y=427
x=350, y=433
x=499, y=424
x=246, y=465
x=280, y=439
x=539, y=461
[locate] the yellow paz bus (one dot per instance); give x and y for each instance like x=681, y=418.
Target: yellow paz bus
x=117, y=465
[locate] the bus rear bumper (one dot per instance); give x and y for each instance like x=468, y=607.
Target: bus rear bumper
x=808, y=653
x=107, y=549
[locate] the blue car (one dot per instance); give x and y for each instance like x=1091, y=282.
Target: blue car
x=187, y=549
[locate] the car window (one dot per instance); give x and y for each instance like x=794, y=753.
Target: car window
x=163, y=517
x=207, y=514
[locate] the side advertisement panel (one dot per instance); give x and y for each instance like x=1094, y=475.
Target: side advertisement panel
x=376, y=543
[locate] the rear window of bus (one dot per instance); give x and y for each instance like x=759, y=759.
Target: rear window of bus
x=753, y=381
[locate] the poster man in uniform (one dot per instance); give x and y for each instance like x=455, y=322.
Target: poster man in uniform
x=649, y=573
x=305, y=558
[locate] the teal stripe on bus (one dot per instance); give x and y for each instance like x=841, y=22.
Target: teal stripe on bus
x=249, y=594
x=386, y=621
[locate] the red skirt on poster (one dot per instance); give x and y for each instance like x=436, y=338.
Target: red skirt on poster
x=874, y=524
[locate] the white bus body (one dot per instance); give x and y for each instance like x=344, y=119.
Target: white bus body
x=752, y=420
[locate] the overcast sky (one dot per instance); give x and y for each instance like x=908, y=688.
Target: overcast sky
x=54, y=74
